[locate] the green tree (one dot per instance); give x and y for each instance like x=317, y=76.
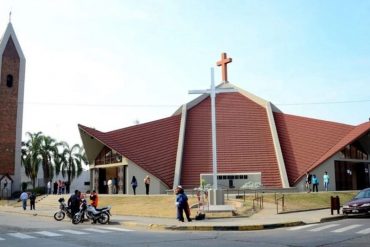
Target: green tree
x=70, y=161
x=48, y=150
x=31, y=158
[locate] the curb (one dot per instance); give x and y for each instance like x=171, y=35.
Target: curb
x=213, y=228
x=333, y=218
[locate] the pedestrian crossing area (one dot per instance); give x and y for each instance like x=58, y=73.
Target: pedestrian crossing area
x=61, y=233
x=332, y=227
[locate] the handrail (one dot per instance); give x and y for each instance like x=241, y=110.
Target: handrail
x=282, y=199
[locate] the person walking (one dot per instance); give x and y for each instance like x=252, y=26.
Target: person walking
x=24, y=198
x=134, y=184
x=315, y=183
x=182, y=204
x=326, y=179
x=32, y=200
x=147, y=184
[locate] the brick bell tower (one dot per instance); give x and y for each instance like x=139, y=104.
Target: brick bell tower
x=12, y=73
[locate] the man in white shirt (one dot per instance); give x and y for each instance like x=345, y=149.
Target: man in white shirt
x=49, y=187
x=24, y=198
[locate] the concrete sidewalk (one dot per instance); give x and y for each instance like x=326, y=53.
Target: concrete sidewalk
x=267, y=218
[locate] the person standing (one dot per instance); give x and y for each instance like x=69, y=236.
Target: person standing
x=114, y=185
x=308, y=182
x=94, y=199
x=59, y=187
x=49, y=187
x=74, y=202
x=110, y=186
x=147, y=184
x=315, y=183
x=5, y=184
x=24, y=198
x=134, y=184
x=55, y=187
x=32, y=200
x=326, y=179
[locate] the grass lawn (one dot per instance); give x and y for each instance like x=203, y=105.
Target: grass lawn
x=142, y=205
x=306, y=201
x=164, y=205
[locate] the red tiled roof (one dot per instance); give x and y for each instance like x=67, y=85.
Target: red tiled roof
x=152, y=145
x=304, y=141
x=353, y=135
x=244, y=140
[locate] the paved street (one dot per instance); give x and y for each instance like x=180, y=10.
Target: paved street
x=21, y=230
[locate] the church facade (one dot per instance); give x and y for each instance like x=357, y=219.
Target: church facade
x=258, y=146
x=12, y=75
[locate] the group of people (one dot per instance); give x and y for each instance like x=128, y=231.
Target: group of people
x=75, y=200
x=24, y=198
x=314, y=180
x=59, y=187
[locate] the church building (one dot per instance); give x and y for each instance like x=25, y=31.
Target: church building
x=258, y=146
x=12, y=73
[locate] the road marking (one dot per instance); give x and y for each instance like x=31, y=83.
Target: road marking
x=20, y=235
x=49, y=234
x=116, y=229
x=323, y=227
x=365, y=231
x=73, y=232
x=301, y=227
x=96, y=230
x=346, y=228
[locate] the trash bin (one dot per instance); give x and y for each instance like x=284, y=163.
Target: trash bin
x=334, y=204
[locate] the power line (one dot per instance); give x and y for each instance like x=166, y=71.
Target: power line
x=165, y=105
x=327, y=102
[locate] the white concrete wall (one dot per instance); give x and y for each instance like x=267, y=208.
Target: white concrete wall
x=77, y=183
x=328, y=166
x=156, y=186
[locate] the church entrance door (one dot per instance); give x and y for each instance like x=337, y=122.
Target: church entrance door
x=351, y=175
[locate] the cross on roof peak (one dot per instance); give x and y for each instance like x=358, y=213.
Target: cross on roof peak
x=223, y=63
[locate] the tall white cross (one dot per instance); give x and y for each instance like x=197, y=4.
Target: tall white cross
x=212, y=92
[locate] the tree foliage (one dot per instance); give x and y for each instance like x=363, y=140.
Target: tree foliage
x=54, y=158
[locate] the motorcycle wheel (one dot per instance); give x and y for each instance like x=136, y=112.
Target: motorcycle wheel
x=58, y=216
x=76, y=219
x=104, y=218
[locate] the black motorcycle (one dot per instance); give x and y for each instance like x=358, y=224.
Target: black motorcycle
x=64, y=210
x=101, y=215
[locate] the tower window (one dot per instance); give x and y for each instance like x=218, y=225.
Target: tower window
x=9, y=80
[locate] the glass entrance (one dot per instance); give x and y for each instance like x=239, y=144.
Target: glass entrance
x=351, y=175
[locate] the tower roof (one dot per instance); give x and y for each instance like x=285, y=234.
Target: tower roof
x=10, y=33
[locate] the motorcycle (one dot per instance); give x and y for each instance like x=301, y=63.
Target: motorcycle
x=64, y=210
x=102, y=215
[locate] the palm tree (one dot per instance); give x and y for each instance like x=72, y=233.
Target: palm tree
x=48, y=150
x=31, y=157
x=70, y=161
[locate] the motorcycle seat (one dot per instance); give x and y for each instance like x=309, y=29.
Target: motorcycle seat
x=101, y=209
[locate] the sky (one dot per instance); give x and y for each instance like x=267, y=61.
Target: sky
x=110, y=64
